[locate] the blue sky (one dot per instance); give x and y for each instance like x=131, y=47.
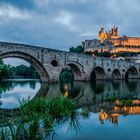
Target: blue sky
x=61, y=24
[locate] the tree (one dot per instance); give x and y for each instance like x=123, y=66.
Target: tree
x=88, y=53
x=23, y=71
x=71, y=49
x=4, y=69
x=78, y=49
x=96, y=52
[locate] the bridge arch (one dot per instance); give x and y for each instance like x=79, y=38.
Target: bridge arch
x=44, y=76
x=131, y=73
x=97, y=73
x=116, y=75
x=77, y=69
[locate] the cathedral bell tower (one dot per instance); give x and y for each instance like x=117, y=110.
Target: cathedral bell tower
x=102, y=35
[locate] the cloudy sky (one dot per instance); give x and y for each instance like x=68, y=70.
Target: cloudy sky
x=61, y=24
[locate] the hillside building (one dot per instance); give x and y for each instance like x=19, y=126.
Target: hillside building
x=109, y=40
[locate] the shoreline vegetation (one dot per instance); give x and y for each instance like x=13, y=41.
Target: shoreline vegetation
x=37, y=119
x=17, y=72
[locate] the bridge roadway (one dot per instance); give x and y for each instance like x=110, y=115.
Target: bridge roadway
x=49, y=63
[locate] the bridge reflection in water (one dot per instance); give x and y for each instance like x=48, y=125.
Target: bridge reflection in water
x=108, y=98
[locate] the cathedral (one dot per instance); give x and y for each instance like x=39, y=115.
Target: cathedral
x=113, y=37
x=111, y=40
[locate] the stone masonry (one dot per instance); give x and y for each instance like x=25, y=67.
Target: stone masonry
x=49, y=63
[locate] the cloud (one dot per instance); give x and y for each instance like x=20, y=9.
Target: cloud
x=65, y=19
x=21, y=4
x=41, y=3
x=8, y=11
x=65, y=23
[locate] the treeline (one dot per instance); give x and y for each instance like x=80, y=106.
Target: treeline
x=78, y=49
x=14, y=72
x=127, y=54
x=109, y=54
x=99, y=54
x=22, y=71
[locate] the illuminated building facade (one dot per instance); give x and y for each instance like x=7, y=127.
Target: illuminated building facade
x=113, y=37
x=108, y=41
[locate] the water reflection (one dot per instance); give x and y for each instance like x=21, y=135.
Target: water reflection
x=85, y=93
x=9, y=85
x=112, y=103
x=116, y=84
x=13, y=92
x=106, y=101
x=70, y=90
x=117, y=90
x=132, y=85
x=98, y=86
x=101, y=97
x=113, y=114
x=94, y=94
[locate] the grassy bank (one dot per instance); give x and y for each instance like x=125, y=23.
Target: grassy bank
x=37, y=118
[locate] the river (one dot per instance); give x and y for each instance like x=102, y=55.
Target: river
x=113, y=106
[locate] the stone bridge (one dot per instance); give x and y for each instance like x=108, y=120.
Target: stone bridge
x=49, y=63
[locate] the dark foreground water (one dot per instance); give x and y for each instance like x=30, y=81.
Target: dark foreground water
x=113, y=107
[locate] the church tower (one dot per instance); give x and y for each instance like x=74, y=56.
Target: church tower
x=102, y=35
x=114, y=32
